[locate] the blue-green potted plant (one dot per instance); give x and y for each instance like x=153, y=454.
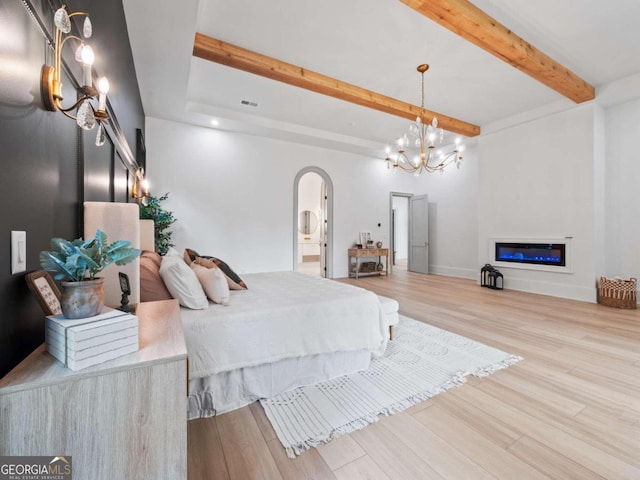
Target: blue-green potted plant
x=76, y=264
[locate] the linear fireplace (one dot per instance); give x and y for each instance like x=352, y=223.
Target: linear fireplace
x=533, y=254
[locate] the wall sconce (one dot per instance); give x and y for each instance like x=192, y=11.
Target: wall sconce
x=51, y=86
x=140, y=188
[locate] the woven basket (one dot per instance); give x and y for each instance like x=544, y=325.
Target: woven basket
x=617, y=292
x=368, y=267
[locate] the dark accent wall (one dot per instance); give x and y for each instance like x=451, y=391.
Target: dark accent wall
x=48, y=165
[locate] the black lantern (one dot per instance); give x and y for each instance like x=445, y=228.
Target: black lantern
x=494, y=276
x=484, y=275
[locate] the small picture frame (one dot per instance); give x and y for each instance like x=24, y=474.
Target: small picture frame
x=125, y=286
x=365, y=238
x=46, y=292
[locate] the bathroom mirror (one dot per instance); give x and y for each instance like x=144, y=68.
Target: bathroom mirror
x=307, y=222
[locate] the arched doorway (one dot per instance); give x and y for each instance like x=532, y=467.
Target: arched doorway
x=313, y=208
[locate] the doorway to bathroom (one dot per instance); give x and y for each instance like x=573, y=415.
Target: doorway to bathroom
x=313, y=192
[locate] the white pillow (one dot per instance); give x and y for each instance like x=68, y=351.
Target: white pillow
x=213, y=282
x=182, y=283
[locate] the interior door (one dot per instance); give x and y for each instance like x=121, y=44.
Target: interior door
x=394, y=235
x=419, y=234
x=323, y=229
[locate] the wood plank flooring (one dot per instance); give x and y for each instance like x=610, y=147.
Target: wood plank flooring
x=570, y=410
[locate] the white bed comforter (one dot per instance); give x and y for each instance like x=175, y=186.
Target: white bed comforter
x=282, y=315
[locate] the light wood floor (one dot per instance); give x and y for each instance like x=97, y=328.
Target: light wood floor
x=570, y=410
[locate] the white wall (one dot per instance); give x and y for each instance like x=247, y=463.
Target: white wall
x=537, y=180
x=554, y=176
x=622, y=197
x=233, y=197
x=453, y=218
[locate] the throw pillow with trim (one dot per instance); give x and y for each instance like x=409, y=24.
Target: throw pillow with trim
x=235, y=282
x=213, y=282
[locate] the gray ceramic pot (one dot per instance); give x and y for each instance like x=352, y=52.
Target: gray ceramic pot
x=82, y=299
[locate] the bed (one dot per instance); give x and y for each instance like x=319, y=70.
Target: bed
x=286, y=330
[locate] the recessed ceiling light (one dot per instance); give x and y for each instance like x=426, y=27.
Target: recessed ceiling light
x=215, y=122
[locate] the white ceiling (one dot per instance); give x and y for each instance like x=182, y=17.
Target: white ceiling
x=373, y=44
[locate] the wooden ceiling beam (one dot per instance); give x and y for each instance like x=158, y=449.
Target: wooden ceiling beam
x=472, y=24
x=215, y=50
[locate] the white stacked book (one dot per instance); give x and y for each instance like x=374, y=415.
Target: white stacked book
x=88, y=341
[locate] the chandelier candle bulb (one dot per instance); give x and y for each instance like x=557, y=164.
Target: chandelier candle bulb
x=87, y=62
x=78, y=55
x=103, y=88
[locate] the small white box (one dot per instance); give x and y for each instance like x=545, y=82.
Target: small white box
x=84, y=342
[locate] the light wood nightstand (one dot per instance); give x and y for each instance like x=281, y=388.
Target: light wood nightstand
x=125, y=418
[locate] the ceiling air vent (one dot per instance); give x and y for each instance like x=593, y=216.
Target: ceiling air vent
x=248, y=103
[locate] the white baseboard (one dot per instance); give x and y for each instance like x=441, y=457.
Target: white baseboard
x=573, y=292
x=454, y=272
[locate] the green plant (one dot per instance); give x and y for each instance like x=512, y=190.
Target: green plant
x=163, y=219
x=72, y=259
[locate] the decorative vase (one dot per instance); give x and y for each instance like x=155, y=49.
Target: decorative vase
x=82, y=299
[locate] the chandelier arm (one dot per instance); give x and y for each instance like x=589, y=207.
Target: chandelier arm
x=422, y=99
x=67, y=38
x=59, y=42
x=58, y=52
x=448, y=160
x=66, y=113
x=57, y=60
x=407, y=169
x=403, y=156
x=78, y=102
x=411, y=168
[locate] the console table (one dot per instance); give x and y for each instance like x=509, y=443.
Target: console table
x=125, y=418
x=357, y=254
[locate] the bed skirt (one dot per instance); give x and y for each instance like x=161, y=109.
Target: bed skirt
x=226, y=391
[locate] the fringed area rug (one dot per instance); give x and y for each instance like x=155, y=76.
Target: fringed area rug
x=419, y=363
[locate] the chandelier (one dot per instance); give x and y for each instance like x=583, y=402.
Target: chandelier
x=419, y=150
x=51, y=87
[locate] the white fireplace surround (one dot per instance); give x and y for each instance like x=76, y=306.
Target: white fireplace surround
x=567, y=268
